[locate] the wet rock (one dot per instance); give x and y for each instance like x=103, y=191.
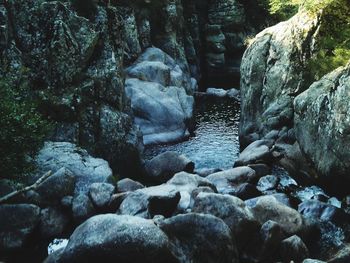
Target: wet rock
x=162, y=167
x=86, y=169
x=200, y=238
x=17, y=224
x=53, y=223
x=158, y=90
x=268, y=182
x=293, y=248
x=57, y=186
x=112, y=238
x=128, y=185
x=82, y=208
x=257, y=152
x=100, y=194
x=268, y=208
x=232, y=210
x=151, y=201
x=228, y=181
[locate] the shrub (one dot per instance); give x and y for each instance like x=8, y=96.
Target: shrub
x=22, y=132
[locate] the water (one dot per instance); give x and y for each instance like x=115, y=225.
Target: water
x=215, y=143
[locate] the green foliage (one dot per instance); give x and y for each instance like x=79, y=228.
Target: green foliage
x=22, y=131
x=85, y=8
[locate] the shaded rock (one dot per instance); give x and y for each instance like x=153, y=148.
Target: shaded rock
x=260, y=169
x=100, y=194
x=200, y=238
x=228, y=181
x=67, y=202
x=215, y=92
x=57, y=186
x=128, y=185
x=86, y=169
x=271, y=234
x=17, y=224
x=162, y=167
x=53, y=223
x=246, y=191
x=268, y=208
x=112, y=238
x=257, y=152
x=293, y=248
x=82, y=208
x=204, y=172
x=342, y=256
x=54, y=257
x=232, y=210
x=151, y=201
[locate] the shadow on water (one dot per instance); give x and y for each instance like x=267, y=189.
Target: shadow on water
x=215, y=142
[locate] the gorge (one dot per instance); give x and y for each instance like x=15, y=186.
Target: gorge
x=179, y=131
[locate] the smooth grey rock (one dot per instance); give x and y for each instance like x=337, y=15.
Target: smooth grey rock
x=215, y=92
x=53, y=223
x=228, y=181
x=17, y=224
x=128, y=185
x=113, y=238
x=86, y=169
x=293, y=248
x=57, y=186
x=162, y=167
x=200, y=239
x=100, y=194
x=232, y=210
x=268, y=208
x=257, y=152
x=82, y=208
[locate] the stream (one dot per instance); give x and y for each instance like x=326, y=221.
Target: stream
x=215, y=143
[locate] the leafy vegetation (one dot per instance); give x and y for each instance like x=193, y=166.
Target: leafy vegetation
x=22, y=132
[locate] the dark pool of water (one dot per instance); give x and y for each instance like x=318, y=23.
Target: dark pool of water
x=215, y=143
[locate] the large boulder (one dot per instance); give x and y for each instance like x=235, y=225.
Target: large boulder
x=158, y=90
x=85, y=168
x=273, y=73
x=113, y=238
x=200, y=239
x=322, y=126
x=17, y=224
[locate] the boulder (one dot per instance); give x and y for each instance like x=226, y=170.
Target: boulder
x=268, y=208
x=228, y=181
x=162, y=167
x=273, y=74
x=293, y=248
x=128, y=185
x=257, y=152
x=321, y=123
x=17, y=224
x=232, y=210
x=114, y=238
x=53, y=223
x=158, y=90
x=85, y=168
x=82, y=208
x=271, y=234
x=200, y=239
x=268, y=182
x=100, y=194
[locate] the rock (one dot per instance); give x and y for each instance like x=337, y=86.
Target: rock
x=200, y=238
x=53, y=223
x=112, y=238
x=228, y=181
x=158, y=88
x=82, y=208
x=86, y=169
x=342, y=256
x=320, y=123
x=54, y=257
x=116, y=201
x=309, y=260
x=257, y=152
x=67, y=202
x=232, y=210
x=271, y=234
x=17, y=224
x=293, y=248
x=246, y=191
x=215, y=92
x=234, y=94
x=273, y=73
x=260, y=169
x=268, y=182
x=100, y=194
x=324, y=212
x=204, y=172
x=162, y=167
x=280, y=197
x=151, y=201
x=128, y=185
x=268, y=208
x=57, y=186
